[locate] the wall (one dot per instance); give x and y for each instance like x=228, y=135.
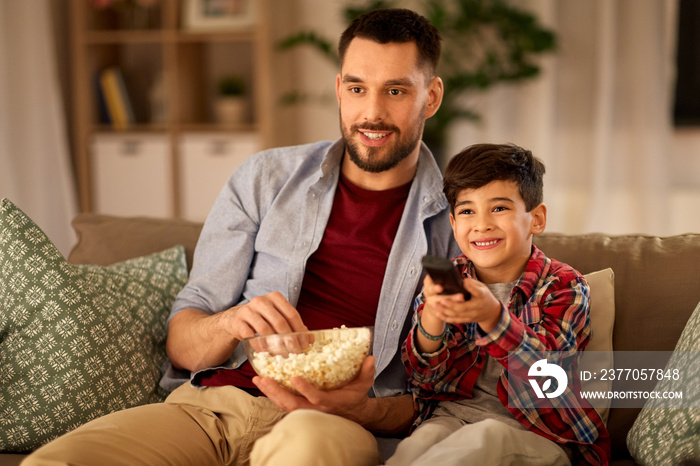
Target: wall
x=303, y=69
x=684, y=159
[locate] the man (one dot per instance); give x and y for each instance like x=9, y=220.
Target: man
x=313, y=236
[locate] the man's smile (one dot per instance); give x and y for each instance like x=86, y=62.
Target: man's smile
x=374, y=138
x=374, y=135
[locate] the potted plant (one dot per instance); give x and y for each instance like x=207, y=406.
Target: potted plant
x=232, y=100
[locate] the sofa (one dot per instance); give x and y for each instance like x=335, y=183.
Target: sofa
x=656, y=283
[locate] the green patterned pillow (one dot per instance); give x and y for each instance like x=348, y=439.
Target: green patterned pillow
x=76, y=341
x=669, y=435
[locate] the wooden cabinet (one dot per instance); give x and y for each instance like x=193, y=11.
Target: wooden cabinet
x=132, y=174
x=171, y=75
x=206, y=161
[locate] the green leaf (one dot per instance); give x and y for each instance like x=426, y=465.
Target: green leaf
x=317, y=42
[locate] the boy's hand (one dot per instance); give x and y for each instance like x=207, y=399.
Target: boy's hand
x=483, y=308
x=430, y=321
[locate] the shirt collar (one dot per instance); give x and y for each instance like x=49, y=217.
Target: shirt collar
x=427, y=182
x=333, y=157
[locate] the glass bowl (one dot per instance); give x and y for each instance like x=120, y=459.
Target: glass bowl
x=327, y=359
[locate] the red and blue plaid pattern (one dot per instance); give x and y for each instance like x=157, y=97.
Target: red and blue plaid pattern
x=548, y=311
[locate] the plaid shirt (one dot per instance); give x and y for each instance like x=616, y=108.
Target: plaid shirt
x=548, y=311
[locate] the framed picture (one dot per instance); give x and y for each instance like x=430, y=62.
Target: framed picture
x=222, y=15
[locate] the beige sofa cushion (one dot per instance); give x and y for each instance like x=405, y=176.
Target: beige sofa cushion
x=602, y=285
x=598, y=353
x=105, y=239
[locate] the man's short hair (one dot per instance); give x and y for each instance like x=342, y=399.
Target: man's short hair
x=396, y=25
x=480, y=164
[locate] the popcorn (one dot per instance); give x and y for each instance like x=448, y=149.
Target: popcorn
x=328, y=362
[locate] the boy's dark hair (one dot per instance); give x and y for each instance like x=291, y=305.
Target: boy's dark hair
x=480, y=164
x=396, y=25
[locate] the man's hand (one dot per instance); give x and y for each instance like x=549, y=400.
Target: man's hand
x=349, y=401
x=381, y=416
x=197, y=340
x=263, y=315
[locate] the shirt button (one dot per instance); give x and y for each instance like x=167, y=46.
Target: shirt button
x=393, y=325
x=412, y=271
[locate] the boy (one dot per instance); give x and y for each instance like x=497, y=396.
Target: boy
x=521, y=302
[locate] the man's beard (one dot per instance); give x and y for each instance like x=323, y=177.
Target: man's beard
x=374, y=162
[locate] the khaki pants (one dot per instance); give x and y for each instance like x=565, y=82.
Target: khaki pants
x=448, y=441
x=216, y=425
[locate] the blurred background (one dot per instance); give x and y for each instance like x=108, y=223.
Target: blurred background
x=128, y=107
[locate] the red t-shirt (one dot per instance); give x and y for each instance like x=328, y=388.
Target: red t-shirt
x=343, y=277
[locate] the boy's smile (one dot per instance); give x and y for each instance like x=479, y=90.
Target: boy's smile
x=494, y=230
